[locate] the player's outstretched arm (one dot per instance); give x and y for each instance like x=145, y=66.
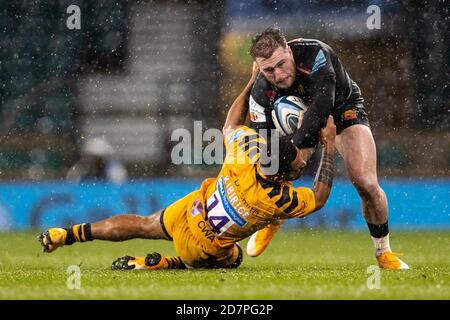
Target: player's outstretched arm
x=239, y=109
x=324, y=180
x=322, y=101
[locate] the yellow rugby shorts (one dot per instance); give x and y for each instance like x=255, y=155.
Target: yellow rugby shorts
x=196, y=244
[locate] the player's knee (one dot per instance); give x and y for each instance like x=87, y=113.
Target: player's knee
x=367, y=186
x=148, y=227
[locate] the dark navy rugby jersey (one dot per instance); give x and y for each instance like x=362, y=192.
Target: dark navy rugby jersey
x=321, y=82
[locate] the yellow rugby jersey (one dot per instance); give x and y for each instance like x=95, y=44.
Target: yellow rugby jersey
x=241, y=200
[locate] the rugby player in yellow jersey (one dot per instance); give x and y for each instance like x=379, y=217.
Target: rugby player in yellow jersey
x=206, y=225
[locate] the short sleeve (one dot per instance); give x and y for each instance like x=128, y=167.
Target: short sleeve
x=305, y=202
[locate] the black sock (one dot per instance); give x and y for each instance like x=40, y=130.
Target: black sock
x=79, y=233
x=70, y=239
x=175, y=263
x=378, y=230
x=87, y=232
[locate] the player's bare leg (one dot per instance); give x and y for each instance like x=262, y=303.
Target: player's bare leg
x=128, y=226
x=116, y=228
x=357, y=147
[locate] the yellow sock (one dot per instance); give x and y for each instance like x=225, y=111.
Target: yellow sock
x=79, y=233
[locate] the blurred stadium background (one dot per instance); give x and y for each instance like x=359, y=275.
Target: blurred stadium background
x=138, y=70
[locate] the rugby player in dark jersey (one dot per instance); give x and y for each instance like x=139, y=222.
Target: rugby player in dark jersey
x=311, y=70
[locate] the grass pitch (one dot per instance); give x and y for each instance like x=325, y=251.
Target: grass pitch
x=299, y=264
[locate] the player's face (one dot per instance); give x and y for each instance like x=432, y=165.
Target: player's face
x=279, y=69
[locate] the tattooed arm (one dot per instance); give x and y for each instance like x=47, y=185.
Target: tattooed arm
x=324, y=178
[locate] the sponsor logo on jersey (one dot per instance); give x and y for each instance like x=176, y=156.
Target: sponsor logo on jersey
x=350, y=114
x=271, y=94
x=256, y=111
x=197, y=208
x=206, y=231
x=230, y=201
x=309, y=43
x=256, y=117
x=319, y=62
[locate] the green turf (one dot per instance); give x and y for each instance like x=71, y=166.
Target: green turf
x=297, y=265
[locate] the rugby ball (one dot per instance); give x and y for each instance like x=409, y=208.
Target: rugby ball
x=287, y=114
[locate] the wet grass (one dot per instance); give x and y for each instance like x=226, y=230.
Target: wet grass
x=297, y=265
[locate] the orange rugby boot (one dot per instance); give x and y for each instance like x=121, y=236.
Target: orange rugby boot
x=391, y=260
x=260, y=239
x=153, y=261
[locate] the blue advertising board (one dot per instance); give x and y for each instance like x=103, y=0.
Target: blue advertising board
x=413, y=204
